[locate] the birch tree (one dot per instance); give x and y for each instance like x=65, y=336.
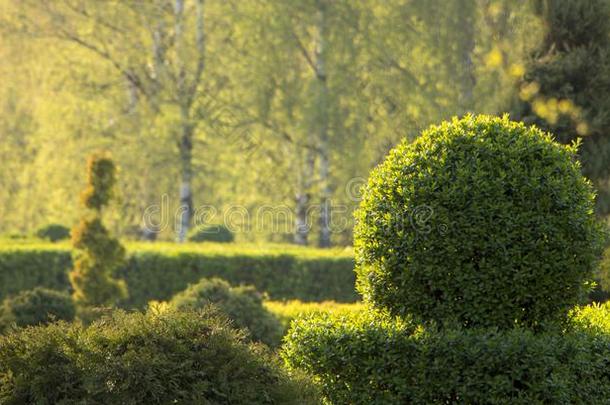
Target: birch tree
x=157, y=47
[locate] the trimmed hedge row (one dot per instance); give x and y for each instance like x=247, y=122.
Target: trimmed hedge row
x=364, y=359
x=287, y=311
x=158, y=271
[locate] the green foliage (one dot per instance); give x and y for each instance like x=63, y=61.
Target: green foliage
x=53, y=232
x=101, y=178
x=173, y=357
x=604, y=270
x=97, y=255
x=594, y=318
x=365, y=359
x=480, y=222
x=36, y=307
x=159, y=271
x=211, y=233
x=243, y=305
x=287, y=311
x=567, y=80
x=96, y=260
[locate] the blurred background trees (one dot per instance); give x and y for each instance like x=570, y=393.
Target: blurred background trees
x=268, y=114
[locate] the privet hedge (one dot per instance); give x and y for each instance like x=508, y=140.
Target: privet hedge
x=156, y=272
x=152, y=358
x=479, y=221
x=365, y=359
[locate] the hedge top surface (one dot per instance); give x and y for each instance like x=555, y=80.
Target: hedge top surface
x=480, y=221
x=208, y=249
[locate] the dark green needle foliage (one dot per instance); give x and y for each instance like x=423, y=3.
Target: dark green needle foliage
x=572, y=64
x=174, y=357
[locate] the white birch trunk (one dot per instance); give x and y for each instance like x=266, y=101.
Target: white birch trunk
x=303, y=198
x=324, y=164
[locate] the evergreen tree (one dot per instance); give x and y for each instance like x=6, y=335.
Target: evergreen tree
x=567, y=81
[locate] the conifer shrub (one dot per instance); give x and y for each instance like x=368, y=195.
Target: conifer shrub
x=479, y=222
x=153, y=358
x=211, y=233
x=243, y=305
x=53, y=232
x=36, y=307
x=97, y=255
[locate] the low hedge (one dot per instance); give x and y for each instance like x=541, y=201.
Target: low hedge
x=160, y=270
x=368, y=359
x=152, y=358
x=287, y=311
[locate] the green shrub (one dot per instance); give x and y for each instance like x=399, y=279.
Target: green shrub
x=159, y=271
x=481, y=222
x=173, y=357
x=36, y=307
x=53, y=232
x=243, y=305
x=97, y=255
x=365, y=359
x=212, y=233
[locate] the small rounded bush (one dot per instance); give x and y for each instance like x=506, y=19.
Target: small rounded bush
x=481, y=222
x=243, y=305
x=212, y=233
x=53, y=232
x=36, y=307
x=153, y=358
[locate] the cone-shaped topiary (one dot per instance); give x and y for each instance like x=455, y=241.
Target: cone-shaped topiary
x=481, y=222
x=101, y=178
x=97, y=255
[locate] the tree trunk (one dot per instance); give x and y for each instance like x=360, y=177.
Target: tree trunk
x=186, y=175
x=324, y=168
x=303, y=199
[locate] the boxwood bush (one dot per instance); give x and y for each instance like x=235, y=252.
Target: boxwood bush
x=212, y=233
x=243, y=305
x=366, y=359
x=36, y=307
x=53, y=232
x=480, y=221
x=152, y=358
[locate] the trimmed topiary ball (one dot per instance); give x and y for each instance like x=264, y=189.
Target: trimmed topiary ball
x=212, y=233
x=481, y=222
x=53, y=232
x=36, y=307
x=243, y=305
